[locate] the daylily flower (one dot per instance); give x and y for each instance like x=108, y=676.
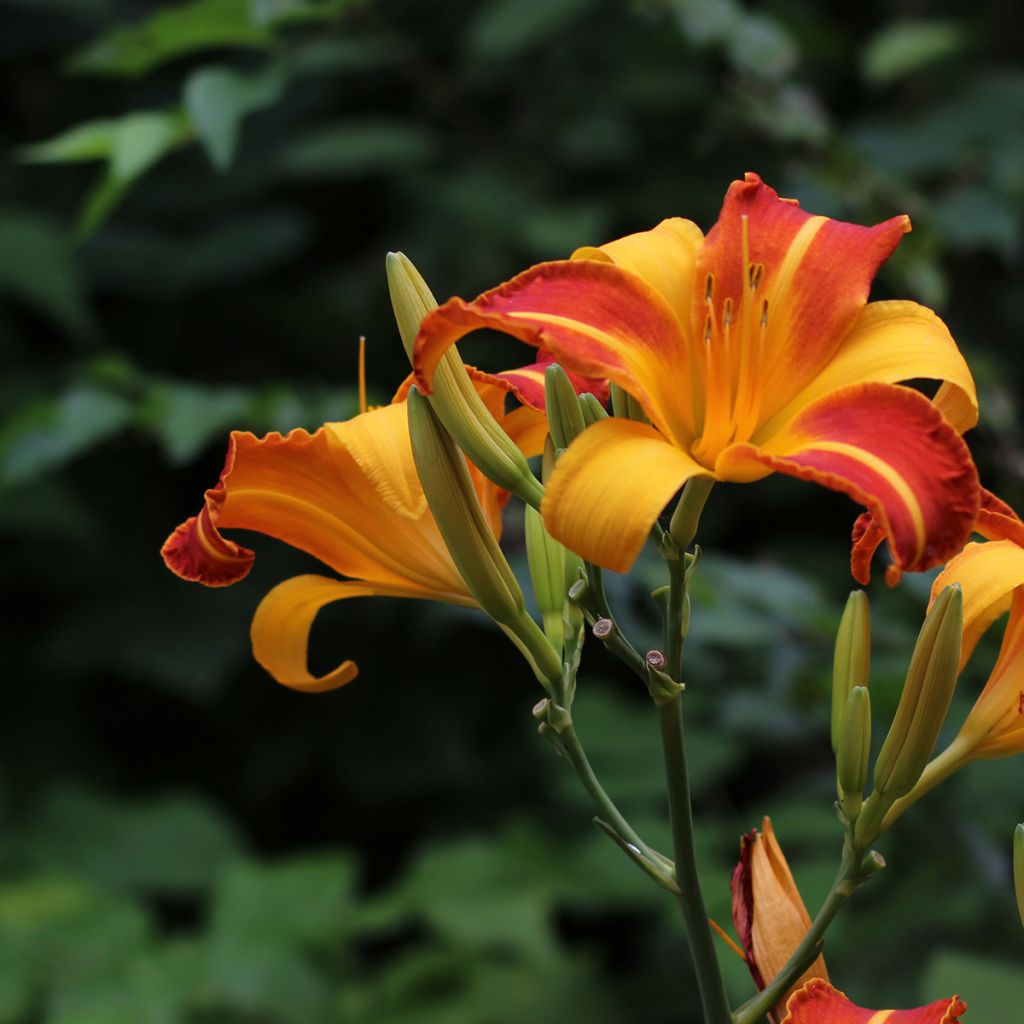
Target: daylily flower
x=819, y=1003
x=767, y=910
x=752, y=350
x=349, y=495
x=991, y=576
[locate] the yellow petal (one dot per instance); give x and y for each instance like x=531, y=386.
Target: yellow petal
x=892, y=342
x=281, y=625
x=379, y=442
x=609, y=488
x=988, y=574
x=664, y=257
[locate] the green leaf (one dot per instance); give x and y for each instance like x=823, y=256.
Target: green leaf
x=46, y=435
x=904, y=47
x=133, y=50
x=353, y=148
x=185, y=417
x=992, y=989
x=91, y=140
x=218, y=99
x=285, y=12
x=36, y=267
x=165, y=844
x=759, y=46
x=142, y=139
x=504, y=29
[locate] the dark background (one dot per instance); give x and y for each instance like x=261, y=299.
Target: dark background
x=196, y=203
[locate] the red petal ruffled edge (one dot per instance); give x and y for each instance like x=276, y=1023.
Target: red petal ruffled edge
x=196, y=550
x=819, y=1003
x=996, y=521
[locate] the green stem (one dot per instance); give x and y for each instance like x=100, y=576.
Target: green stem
x=596, y=607
x=578, y=758
x=713, y=996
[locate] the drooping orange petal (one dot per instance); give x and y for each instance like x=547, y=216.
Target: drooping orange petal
x=890, y=450
x=817, y=274
x=610, y=486
x=596, y=319
x=281, y=625
x=309, y=491
x=665, y=257
x=819, y=1003
x=893, y=342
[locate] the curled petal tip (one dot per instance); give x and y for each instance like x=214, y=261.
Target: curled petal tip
x=197, y=552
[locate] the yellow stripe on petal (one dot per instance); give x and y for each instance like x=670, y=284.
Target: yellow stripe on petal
x=892, y=342
x=281, y=625
x=609, y=488
x=988, y=574
x=665, y=257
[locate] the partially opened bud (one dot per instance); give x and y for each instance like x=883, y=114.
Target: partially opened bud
x=819, y=1003
x=1018, y=868
x=453, y=501
x=851, y=664
x=925, y=700
x=854, y=750
x=565, y=417
x=454, y=398
x=768, y=912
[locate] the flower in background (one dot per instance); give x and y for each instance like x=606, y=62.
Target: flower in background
x=751, y=351
x=349, y=495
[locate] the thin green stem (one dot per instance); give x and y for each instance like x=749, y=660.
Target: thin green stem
x=596, y=607
x=604, y=803
x=713, y=996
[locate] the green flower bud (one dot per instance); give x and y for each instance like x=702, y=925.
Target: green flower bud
x=553, y=570
x=592, y=409
x=686, y=517
x=851, y=664
x=925, y=700
x=565, y=417
x=1018, y=868
x=455, y=400
x=625, y=406
x=453, y=500
x=854, y=751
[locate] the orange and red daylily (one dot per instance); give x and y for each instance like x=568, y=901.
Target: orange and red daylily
x=819, y=1003
x=752, y=350
x=349, y=495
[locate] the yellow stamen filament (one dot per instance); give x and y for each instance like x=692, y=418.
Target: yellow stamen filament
x=728, y=939
x=881, y=1017
x=362, y=373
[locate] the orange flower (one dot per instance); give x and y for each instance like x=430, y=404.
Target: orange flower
x=819, y=1003
x=752, y=350
x=349, y=495
x=767, y=910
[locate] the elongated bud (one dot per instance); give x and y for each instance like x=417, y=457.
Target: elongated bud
x=592, y=409
x=454, y=399
x=565, y=417
x=854, y=752
x=851, y=664
x=625, y=406
x=553, y=570
x=456, y=508
x=1018, y=868
x=686, y=517
x=925, y=699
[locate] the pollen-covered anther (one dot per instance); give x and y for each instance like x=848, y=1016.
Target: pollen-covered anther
x=656, y=660
x=602, y=627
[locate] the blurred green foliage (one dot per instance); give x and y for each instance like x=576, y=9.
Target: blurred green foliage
x=197, y=198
